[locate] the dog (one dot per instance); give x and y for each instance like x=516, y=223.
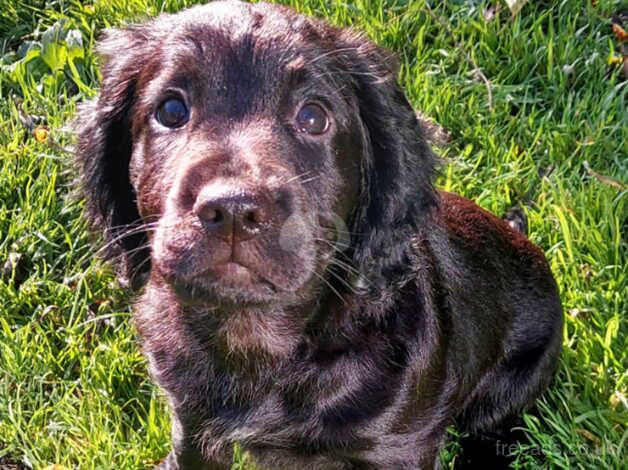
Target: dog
x=260, y=177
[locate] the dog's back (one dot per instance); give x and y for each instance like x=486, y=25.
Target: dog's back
x=499, y=286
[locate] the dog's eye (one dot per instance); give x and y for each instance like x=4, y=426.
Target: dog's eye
x=312, y=119
x=172, y=113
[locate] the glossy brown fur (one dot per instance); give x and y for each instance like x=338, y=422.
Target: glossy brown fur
x=308, y=352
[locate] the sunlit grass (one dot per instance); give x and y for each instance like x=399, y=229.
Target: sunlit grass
x=73, y=384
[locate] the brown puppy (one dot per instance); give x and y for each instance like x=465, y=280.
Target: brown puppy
x=227, y=144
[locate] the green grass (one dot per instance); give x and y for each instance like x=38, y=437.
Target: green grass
x=73, y=385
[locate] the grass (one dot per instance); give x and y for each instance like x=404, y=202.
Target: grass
x=73, y=386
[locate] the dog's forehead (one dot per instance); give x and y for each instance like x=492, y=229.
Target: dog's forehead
x=239, y=17
x=214, y=25
x=242, y=53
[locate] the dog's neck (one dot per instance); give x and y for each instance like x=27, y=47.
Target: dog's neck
x=248, y=339
x=259, y=334
x=237, y=335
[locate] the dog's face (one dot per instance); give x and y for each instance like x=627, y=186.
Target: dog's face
x=242, y=137
x=243, y=151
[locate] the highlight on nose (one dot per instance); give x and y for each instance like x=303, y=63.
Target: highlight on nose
x=232, y=215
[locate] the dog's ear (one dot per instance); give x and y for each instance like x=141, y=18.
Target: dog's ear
x=104, y=151
x=396, y=192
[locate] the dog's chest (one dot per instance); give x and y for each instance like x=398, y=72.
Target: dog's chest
x=328, y=417
x=278, y=436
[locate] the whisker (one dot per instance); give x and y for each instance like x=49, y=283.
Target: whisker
x=121, y=236
x=140, y=221
x=131, y=227
x=376, y=76
x=132, y=251
x=139, y=267
x=346, y=266
x=296, y=177
x=310, y=179
x=348, y=285
x=299, y=178
x=334, y=229
x=350, y=269
x=333, y=289
x=332, y=52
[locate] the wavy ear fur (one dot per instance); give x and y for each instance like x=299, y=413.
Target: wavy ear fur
x=104, y=152
x=397, y=168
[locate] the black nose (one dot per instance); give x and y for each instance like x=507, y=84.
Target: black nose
x=236, y=215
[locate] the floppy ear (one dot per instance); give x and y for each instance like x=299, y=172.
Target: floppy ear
x=396, y=193
x=104, y=152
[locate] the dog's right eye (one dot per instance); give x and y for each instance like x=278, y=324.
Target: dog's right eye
x=172, y=113
x=312, y=119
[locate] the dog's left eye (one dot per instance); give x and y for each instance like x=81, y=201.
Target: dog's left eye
x=312, y=119
x=172, y=113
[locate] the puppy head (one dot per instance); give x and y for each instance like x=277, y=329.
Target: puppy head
x=229, y=141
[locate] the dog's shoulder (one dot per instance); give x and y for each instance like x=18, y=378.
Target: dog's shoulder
x=479, y=232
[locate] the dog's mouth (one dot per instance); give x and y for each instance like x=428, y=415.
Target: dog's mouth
x=234, y=274
x=210, y=270
x=227, y=282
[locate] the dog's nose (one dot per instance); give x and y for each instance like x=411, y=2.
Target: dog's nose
x=236, y=215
